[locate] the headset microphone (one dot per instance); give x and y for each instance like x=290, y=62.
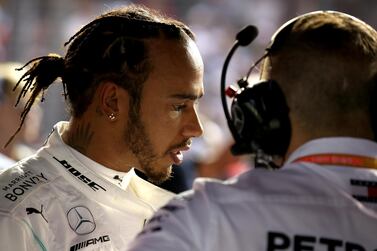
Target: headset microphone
x=247, y=35
x=259, y=124
x=243, y=38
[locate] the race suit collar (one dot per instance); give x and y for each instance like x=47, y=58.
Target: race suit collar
x=130, y=186
x=335, y=145
x=146, y=191
x=113, y=176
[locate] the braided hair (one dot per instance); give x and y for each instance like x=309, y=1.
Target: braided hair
x=112, y=47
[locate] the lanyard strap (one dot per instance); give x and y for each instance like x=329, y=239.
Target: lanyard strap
x=340, y=160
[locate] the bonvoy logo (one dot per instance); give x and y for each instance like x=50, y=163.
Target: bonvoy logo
x=81, y=220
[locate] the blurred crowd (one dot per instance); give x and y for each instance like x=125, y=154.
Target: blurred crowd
x=26, y=28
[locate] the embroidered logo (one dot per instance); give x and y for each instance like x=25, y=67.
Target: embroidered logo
x=364, y=190
x=31, y=210
x=81, y=220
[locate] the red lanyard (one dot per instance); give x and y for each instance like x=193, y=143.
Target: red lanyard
x=340, y=160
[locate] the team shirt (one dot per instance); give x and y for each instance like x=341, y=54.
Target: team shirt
x=323, y=198
x=59, y=199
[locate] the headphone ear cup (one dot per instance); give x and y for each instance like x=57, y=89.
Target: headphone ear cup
x=261, y=117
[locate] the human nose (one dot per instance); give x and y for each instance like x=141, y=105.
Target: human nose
x=194, y=127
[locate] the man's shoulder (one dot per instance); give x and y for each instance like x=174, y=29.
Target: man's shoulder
x=258, y=184
x=21, y=180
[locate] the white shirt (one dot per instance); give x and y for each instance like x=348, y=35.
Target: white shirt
x=302, y=206
x=60, y=200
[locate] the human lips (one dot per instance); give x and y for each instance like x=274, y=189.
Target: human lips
x=177, y=155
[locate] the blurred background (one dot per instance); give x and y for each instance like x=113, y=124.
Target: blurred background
x=32, y=28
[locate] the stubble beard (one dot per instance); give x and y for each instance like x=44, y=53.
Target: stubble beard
x=140, y=145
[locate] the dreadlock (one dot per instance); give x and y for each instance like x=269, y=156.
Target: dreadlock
x=38, y=78
x=112, y=47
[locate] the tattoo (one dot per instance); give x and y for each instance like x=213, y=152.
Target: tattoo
x=81, y=137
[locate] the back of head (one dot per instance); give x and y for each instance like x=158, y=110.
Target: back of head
x=325, y=62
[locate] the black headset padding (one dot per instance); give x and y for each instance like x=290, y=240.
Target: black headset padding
x=261, y=118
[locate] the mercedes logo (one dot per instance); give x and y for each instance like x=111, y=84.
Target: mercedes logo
x=81, y=220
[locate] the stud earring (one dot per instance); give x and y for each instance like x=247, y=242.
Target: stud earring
x=112, y=116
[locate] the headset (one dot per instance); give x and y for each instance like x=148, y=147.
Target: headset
x=259, y=121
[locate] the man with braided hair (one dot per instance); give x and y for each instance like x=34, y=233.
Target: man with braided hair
x=132, y=78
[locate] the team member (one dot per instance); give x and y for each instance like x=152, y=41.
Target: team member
x=324, y=196
x=132, y=78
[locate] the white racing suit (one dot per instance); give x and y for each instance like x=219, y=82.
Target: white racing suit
x=302, y=206
x=60, y=200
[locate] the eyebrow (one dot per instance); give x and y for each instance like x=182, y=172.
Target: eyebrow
x=186, y=96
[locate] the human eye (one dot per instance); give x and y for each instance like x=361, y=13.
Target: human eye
x=179, y=107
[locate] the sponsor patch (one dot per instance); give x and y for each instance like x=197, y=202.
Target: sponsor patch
x=279, y=241
x=32, y=210
x=93, y=185
x=90, y=242
x=81, y=220
x=364, y=190
x=23, y=183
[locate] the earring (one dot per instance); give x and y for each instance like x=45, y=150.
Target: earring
x=112, y=116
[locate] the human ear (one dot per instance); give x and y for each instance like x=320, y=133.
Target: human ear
x=109, y=100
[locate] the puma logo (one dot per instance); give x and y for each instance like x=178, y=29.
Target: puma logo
x=31, y=210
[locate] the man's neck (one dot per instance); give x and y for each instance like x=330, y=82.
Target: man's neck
x=88, y=138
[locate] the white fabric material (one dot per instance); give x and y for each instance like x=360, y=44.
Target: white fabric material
x=5, y=162
x=303, y=206
x=60, y=200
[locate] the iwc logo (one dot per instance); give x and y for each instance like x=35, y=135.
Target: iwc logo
x=81, y=220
